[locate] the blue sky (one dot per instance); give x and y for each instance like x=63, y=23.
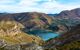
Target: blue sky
x=44, y=6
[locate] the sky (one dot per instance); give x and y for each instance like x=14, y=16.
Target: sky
x=44, y=6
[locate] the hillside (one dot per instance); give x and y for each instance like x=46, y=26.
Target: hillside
x=67, y=41
x=11, y=33
x=31, y=20
x=68, y=18
x=72, y=14
x=20, y=28
x=35, y=21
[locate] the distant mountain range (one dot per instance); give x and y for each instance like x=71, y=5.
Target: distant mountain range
x=40, y=21
x=65, y=23
x=74, y=14
x=35, y=20
x=71, y=39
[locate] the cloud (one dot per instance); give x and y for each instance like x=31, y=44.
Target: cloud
x=44, y=6
x=8, y=2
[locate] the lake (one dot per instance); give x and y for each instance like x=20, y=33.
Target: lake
x=46, y=36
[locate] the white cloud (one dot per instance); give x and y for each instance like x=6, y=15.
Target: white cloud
x=47, y=6
x=4, y=2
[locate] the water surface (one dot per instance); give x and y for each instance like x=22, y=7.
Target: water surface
x=46, y=36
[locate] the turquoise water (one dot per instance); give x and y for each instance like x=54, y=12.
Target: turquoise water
x=46, y=36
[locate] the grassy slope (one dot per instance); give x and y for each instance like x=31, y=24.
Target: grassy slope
x=20, y=37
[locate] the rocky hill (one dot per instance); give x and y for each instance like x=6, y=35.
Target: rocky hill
x=40, y=21
x=16, y=27
x=67, y=41
x=67, y=19
x=71, y=39
x=31, y=20
x=11, y=34
x=73, y=14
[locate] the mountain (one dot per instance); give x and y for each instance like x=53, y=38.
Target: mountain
x=67, y=41
x=73, y=14
x=13, y=38
x=71, y=39
x=35, y=21
x=11, y=33
x=67, y=22
x=31, y=20
x=16, y=30
x=67, y=19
